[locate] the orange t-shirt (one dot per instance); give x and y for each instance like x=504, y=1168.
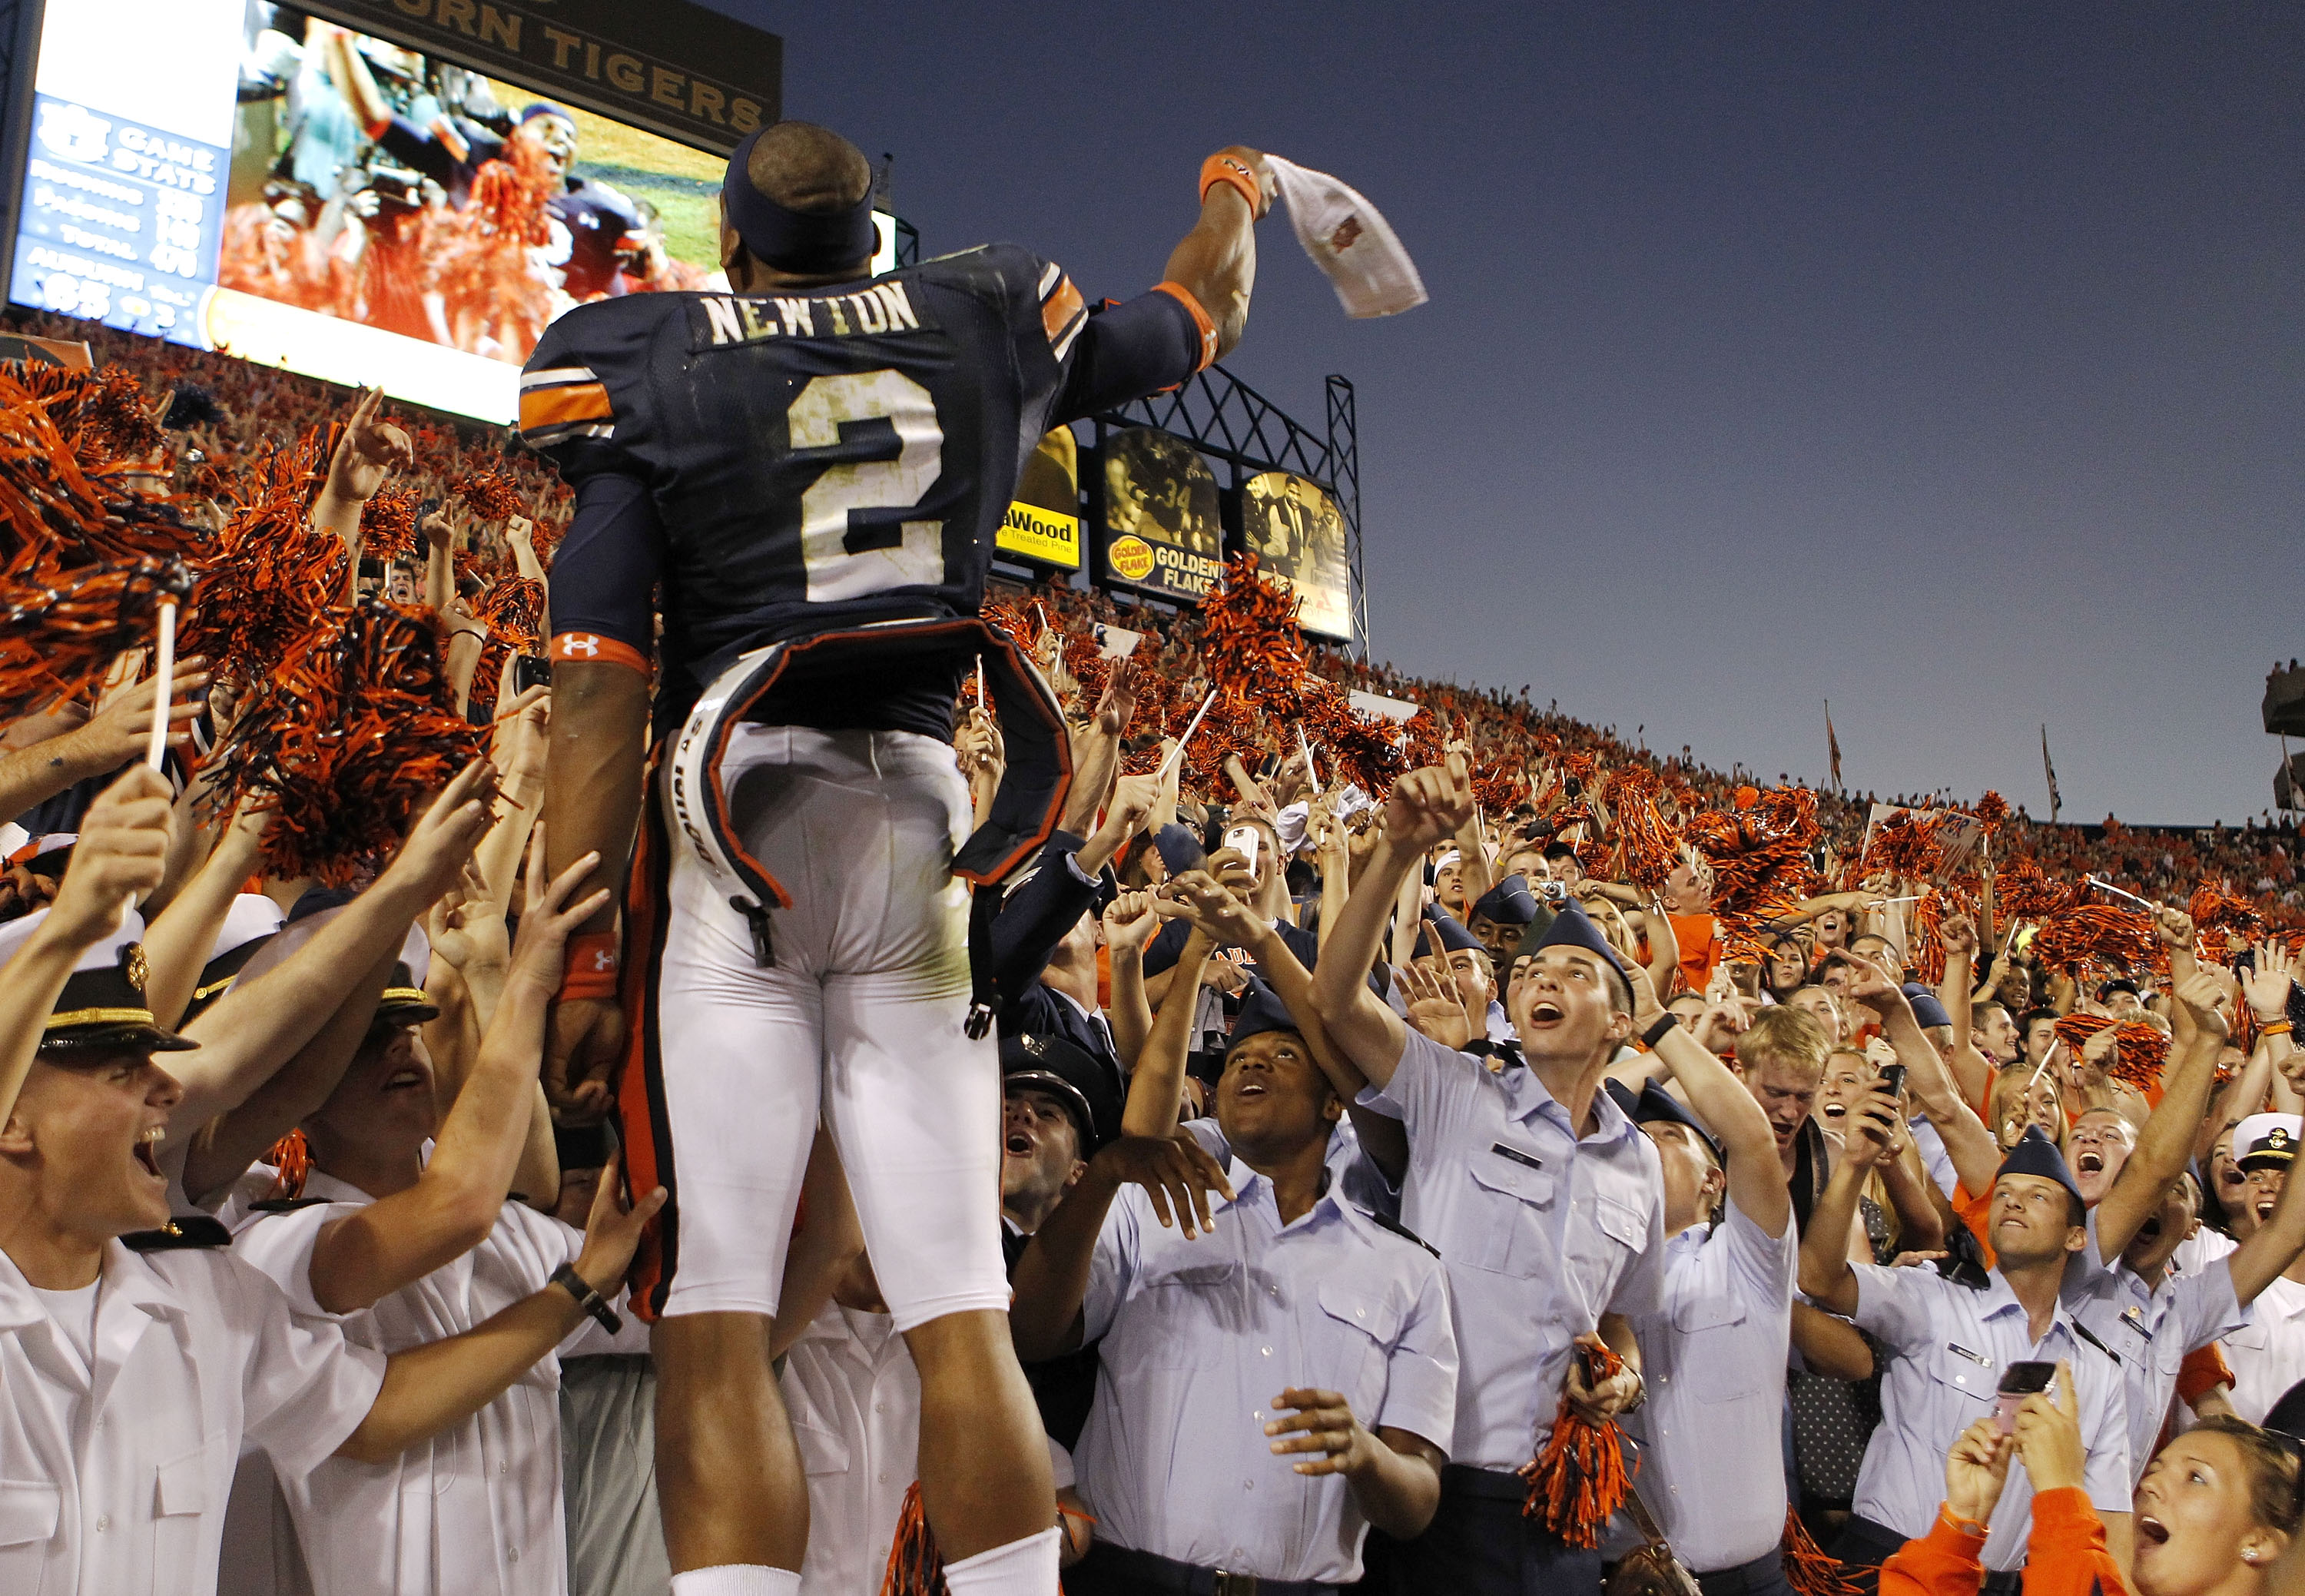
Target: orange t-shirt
x=1699, y=936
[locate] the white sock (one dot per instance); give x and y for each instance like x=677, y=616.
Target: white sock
x=1027, y=1567
x=737, y=1579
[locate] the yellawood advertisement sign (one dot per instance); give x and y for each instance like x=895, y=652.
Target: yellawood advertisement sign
x=1035, y=533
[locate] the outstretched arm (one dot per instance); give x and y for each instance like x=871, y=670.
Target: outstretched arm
x=1216, y=262
x=1756, y=1183
x=2166, y=1141
x=1425, y=806
x=427, y=1389
x=376, y=1249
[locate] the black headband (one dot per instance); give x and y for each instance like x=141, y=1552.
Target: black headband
x=807, y=243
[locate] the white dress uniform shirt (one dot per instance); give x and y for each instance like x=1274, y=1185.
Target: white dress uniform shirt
x=854, y=1396
x=1713, y=1360
x=479, y=1508
x=1200, y=1335
x=854, y=1399
x=1540, y=1233
x=2151, y=1331
x=2267, y=1354
x=1948, y=1346
x=113, y=1478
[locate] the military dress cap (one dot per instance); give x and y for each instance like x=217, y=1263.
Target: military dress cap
x=1510, y=903
x=102, y=1009
x=2268, y=1140
x=1928, y=1011
x=403, y=1001
x=1040, y=1061
x=1653, y=1103
x=253, y=921
x=1443, y=927
x=2035, y=1155
x=1572, y=928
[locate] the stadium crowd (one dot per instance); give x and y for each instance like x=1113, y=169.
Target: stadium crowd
x=1423, y=1141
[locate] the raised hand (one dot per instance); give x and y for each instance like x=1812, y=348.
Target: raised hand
x=2266, y=986
x=1435, y=1008
x=2201, y=994
x=433, y=858
x=118, y=731
x=1427, y=805
x=2048, y=1435
x=1722, y=1023
x=1958, y=933
x=368, y=451
x=2173, y=929
x=121, y=855
x=612, y=1230
x=1976, y=1468
x=539, y=951
x=1207, y=904
x=1117, y=703
x=1129, y=923
x=1175, y=1171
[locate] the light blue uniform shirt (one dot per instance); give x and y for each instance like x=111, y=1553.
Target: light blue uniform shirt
x=1199, y=1337
x=1541, y=1232
x=1948, y=1346
x=2151, y=1331
x=1713, y=1360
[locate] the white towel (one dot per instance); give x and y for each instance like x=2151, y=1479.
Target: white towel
x=1349, y=241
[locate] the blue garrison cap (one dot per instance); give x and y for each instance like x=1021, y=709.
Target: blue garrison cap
x=2035, y=1155
x=1510, y=903
x=1926, y=1009
x=1573, y=927
x=1261, y=1011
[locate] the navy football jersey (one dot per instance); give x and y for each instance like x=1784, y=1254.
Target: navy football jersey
x=783, y=464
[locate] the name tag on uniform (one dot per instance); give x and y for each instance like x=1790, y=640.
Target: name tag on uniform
x=1517, y=1157
x=2134, y=1318
x=1979, y=1358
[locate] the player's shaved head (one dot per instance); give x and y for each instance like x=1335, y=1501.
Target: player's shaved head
x=808, y=169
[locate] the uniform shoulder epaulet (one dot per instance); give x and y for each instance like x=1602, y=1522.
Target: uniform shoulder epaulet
x=1396, y=1228
x=2082, y=1331
x=287, y=1205
x=186, y=1229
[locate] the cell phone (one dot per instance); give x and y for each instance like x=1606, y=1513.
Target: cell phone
x=1746, y=978
x=1552, y=892
x=530, y=671
x=2018, y=1382
x=1892, y=1078
x=1243, y=841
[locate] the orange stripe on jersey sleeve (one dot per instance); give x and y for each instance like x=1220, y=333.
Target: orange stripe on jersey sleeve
x=590, y=648
x=1058, y=311
x=542, y=407
x=1208, y=329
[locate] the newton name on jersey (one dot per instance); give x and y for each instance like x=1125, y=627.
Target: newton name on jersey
x=724, y=320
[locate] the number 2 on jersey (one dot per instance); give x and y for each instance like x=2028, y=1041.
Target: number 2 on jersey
x=853, y=537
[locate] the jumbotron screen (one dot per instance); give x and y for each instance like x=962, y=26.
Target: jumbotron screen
x=242, y=175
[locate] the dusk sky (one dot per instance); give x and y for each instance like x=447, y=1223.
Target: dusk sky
x=1942, y=360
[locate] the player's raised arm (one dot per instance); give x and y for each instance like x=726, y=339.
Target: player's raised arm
x=1216, y=262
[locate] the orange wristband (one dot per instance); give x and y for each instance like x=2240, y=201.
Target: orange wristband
x=592, y=965
x=2279, y=1027
x=1232, y=169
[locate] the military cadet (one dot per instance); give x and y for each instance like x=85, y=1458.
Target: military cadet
x=1542, y=1198
x=1277, y=1368
x=1059, y=1106
x=1949, y=1345
x=1713, y=1352
x=401, y=1248
x=1502, y=916
x=2268, y=1354
x=139, y=1361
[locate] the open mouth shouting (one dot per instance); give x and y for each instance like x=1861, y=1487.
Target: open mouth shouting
x=1545, y=1011
x=1019, y=1145
x=2152, y=1530
x=2088, y=1161
x=146, y=1153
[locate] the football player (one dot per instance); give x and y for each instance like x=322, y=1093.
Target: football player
x=809, y=470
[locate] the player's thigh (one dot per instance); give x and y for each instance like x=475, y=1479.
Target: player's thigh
x=736, y=1067
x=913, y=1105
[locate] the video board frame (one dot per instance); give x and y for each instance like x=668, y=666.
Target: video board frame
x=106, y=236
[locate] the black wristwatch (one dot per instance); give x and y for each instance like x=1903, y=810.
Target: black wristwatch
x=1659, y=1028
x=592, y=1301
